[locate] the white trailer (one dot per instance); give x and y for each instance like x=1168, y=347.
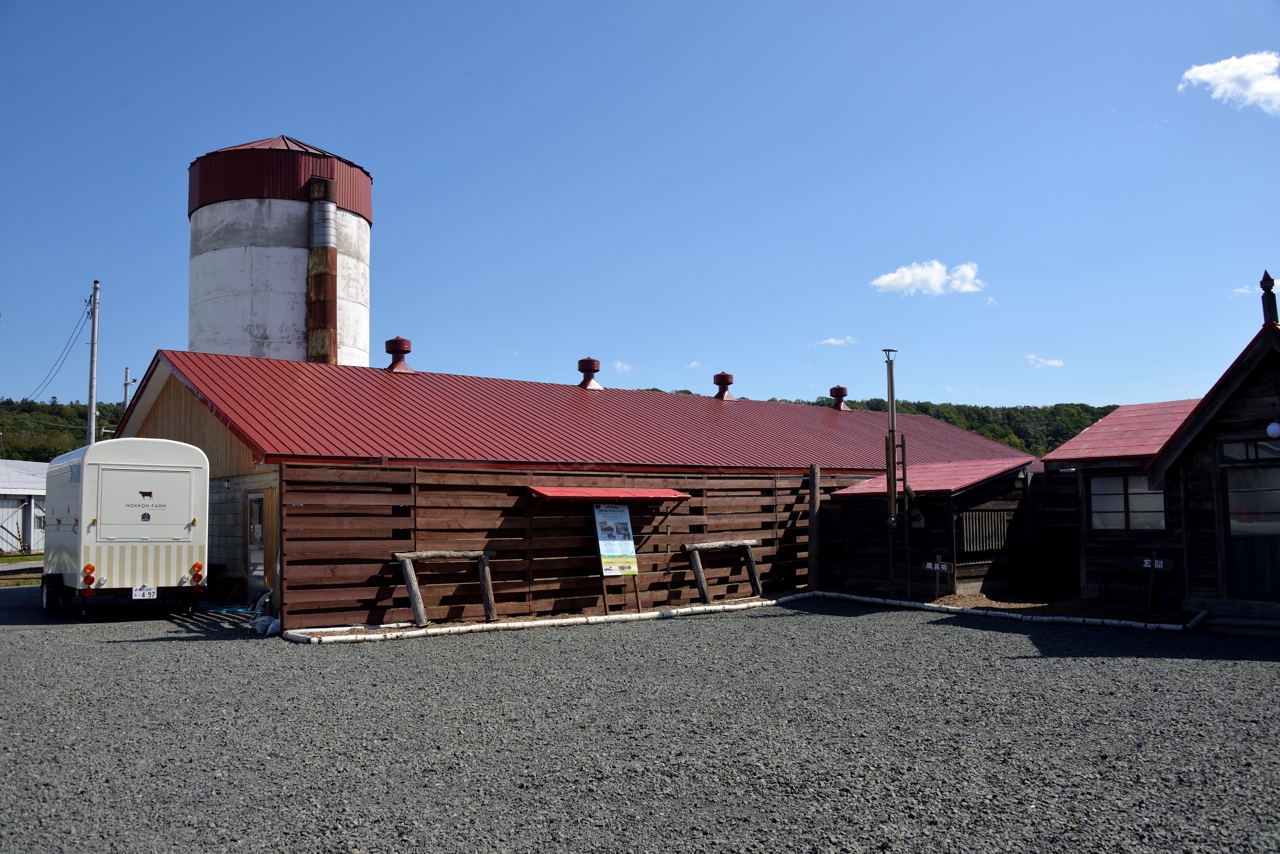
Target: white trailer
x=126, y=519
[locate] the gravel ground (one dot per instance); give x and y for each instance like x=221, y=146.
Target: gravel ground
x=815, y=728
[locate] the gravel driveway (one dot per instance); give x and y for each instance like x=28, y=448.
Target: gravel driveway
x=820, y=727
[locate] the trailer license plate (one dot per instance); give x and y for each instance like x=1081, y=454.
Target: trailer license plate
x=144, y=591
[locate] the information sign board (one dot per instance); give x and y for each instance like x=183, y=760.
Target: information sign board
x=1155, y=564
x=936, y=566
x=617, y=548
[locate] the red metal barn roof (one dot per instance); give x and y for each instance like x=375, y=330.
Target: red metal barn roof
x=276, y=168
x=306, y=411
x=1139, y=430
x=605, y=493
x=942, y=477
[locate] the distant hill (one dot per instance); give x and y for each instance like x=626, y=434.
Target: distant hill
x=1034, y=429
x=41, y=431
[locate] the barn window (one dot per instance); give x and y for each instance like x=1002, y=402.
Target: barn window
x=1253, y=501
x=1238, y=452
x=1125, y=504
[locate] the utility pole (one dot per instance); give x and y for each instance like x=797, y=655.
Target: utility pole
x=93, y=366
x=127, y=382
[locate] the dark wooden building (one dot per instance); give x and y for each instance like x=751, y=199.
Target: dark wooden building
x=973, y=515
x=1193, y=484
x=322, y=473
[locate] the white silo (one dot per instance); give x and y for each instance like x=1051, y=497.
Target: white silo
x=280, y=253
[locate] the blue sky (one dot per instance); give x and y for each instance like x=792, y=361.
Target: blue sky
x=667, y=185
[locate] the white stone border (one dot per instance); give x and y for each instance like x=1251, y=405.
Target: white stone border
x=400, y=631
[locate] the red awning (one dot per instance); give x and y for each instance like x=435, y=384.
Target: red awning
x=605, y=493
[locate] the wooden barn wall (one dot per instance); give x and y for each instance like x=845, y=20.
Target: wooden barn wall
x=1055, y=546
x=1243, y=417
x=341, y=526
x=855, y=542
x=178, y=415
x=1108, y=556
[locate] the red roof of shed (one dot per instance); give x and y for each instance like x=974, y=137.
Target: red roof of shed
x=1139, y=430
x=607, y=493
x=287, y=410
x=941, y=477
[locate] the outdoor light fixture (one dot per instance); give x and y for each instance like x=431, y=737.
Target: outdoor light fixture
x=889, y=354
x=1273, y=430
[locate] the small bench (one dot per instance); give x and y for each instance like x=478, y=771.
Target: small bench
x=695, y=561
x=415, y=595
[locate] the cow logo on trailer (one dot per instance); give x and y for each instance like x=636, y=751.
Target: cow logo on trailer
x=144, y=494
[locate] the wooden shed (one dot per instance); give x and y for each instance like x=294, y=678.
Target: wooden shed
x=1193, y=484
x=328, y=471
x=974, y=515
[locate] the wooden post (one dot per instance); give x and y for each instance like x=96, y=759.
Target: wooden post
x=937, y=575
x=415, y=595
x=815, y=506
x=753, y=573
x=906, y=516
x=696, y=562
x=604, y=593
x=890, y=461
x=486, y=589
x=635, y=588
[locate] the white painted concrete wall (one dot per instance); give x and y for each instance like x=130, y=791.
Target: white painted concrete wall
x=353, y=289
x=248, y=281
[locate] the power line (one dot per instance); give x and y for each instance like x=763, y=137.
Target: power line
x=62, y=358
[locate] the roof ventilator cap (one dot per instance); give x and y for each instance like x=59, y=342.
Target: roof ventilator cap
x=589, y=367
x=399, y=348
x=839, y=393
x=723, y=381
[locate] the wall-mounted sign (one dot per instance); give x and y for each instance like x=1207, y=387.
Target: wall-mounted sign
x=936, y=566
x=1155, y=564
x=617, y=548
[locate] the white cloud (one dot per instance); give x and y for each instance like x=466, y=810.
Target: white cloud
x=1036, y=362
x=836, y=342
x=1242, y=81
x=931, y=278
x=621, y=367
x=1244, y=292
x=992, y=301
x=694, y=364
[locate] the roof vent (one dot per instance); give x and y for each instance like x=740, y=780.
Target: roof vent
x=589, y=367
x=723, y=381
x=399, y=348
x=1268, y=299
x=839, y=393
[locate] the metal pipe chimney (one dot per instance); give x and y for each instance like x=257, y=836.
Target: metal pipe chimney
x=891, y=442
x=322, y=273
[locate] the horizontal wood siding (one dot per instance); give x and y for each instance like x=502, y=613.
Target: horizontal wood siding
x=855, y=541
x=1109, y=555
x=1055, y=559
x=341, y=526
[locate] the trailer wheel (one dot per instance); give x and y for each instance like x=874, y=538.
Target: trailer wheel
x=50, y=597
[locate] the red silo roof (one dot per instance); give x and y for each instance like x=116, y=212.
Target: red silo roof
x=942, y=477
x=301, y=411
x=1139, y=430
x=277, y=168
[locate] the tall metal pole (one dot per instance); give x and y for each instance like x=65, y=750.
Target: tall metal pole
x=891, y=473
x=127, y=382
x=93, y=365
